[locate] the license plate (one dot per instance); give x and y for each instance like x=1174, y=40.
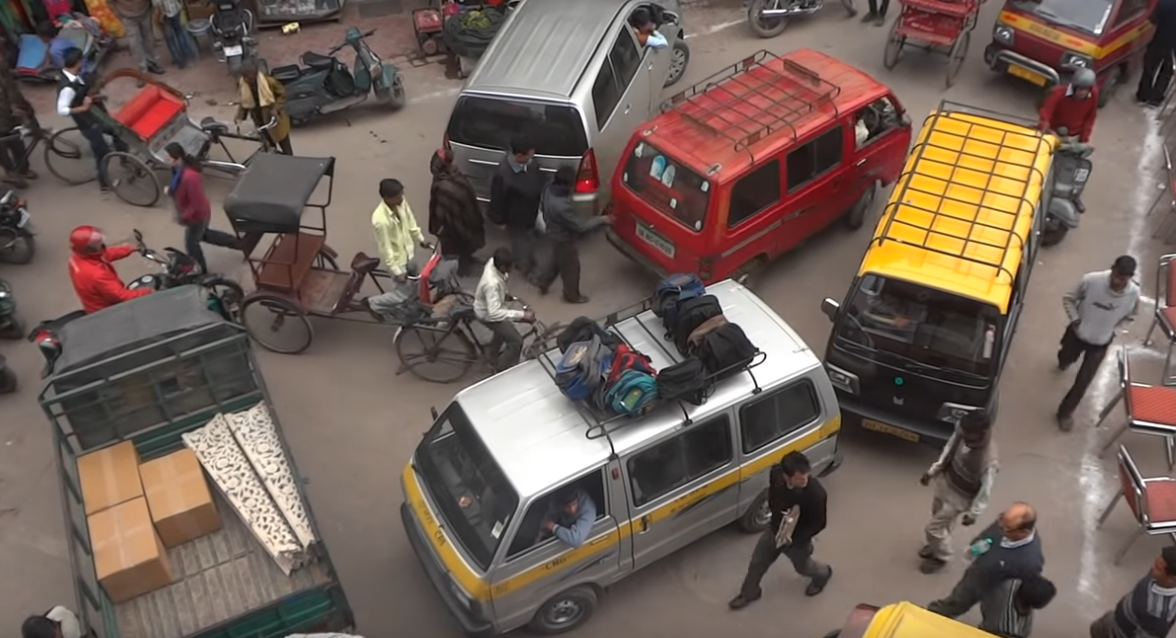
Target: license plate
x=1081, y=175
x=24, y=219
x=234, y=50
x=891, y=430
x=1027, y=75
x=655, y=240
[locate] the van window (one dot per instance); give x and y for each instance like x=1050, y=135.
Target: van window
x=754, y=193
x=684, y=458
x=531, y=533
x=778, y=414
x=605, y=94
x=1129, y=10
x=614, y=78
x=625, y=58
x=814, y=158
x=668, y=186
x=485, y=122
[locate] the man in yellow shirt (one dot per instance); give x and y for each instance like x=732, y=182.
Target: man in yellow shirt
x=397, y=235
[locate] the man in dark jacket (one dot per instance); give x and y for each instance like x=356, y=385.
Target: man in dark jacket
x=796, y=495
x=1009, y=548
x=515, y=192
x=564, y=228
x=1149, y=609
x=1157, y=59
x=14, y=111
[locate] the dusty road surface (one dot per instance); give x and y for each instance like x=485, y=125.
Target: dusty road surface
x=353, y=424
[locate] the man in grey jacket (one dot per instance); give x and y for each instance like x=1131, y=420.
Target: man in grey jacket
x=1101, y=302
x=564, y=228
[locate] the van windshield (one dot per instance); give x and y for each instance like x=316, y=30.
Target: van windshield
x=468, y=486
x=1084, y=15
x=667, y=185
x=929, y=329
x=556, y=129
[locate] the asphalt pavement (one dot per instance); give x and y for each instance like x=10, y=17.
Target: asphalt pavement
x=352, y=422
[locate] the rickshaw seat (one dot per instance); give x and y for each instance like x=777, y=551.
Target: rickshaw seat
x=288, y=261
x=362, y=264
x=956, y=8
x=149, y=111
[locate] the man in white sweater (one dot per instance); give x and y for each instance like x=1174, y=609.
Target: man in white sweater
x=1101, y=302
x=490, y=299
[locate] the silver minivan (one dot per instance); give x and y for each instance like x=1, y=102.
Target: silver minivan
x=574, y=79
x=484, y=480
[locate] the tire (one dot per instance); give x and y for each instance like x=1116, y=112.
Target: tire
x=420, y=350
x=764, y=27
x=132, y=179
x=564, y=612
x=281, y=311
x=855, y=218
x=743, y=274
x=894, y=45
x=679, y=60
x=758, y=517
x=7, y=380
x=956, y=57
x=228, y=292
x=1110, y=87
x=68, y=156
x=396, y=97
x=23, y=248
x=15, y=328
x=1053, y=234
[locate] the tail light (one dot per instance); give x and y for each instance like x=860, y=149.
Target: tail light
x=445, y=142
x=587, y=177
x=706, y=268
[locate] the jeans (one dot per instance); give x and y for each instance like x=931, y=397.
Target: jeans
x=946, y=507
x=1092, y=356
x=522, y=248
x=506, y=346
x=14, y=157
x=401, y=291
x=141, y=36
x=98, y=146
x=563, y=260
x=193, y=235
x=879, y=9
x=966, y=594
x=766, y=553
x=1157, y=72
x=179, y=43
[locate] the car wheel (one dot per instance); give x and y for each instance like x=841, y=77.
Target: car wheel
x=758, y=517
x=1110, y=87
x=679, y=59
x=564, y=612
x=856, y=217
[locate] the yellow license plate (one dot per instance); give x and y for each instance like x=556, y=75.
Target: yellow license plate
x=1027, y=75
x=891, y=430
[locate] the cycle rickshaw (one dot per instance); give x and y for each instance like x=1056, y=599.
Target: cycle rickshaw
x=943, y=26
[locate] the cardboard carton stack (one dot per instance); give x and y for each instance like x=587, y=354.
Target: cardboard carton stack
x=136, y=511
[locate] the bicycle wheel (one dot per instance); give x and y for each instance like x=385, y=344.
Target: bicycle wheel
x=132, y=179
x=68, y=156
x=439, y=355
x=277, y=324
x=228, y=294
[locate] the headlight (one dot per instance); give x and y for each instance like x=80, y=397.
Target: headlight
x=955, y=412
x=1076, y=61
x=842, y=380
x=1003, y=34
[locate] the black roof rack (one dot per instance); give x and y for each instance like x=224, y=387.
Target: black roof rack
x=968, y=239
x=602, y=424
x=746, y=107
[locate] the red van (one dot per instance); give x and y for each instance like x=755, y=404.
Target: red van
x=752, y=161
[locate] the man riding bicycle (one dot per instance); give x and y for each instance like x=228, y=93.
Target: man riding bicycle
x=1072, y=108
x=490, y=308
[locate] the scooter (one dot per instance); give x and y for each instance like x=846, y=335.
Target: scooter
x=324, y=85
x=178, y=269
x=232, y=25
x=769, y=18
x=11, y=325
x=1072, y=167
x=7, y=377
x=17, y=245
x=47, y=340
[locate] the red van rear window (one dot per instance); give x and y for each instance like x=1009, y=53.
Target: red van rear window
x=667, y=185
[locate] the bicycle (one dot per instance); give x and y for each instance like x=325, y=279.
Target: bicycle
x=59, y=145
x=443, y=349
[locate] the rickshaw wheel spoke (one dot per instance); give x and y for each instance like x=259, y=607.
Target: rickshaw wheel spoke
x=68, y=156
x=435, y=354
x=132, y=179
x=276, y=323
x=955, y=61
x=894, y=45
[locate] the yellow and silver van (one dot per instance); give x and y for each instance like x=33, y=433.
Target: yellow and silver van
x=902, y=620
x=480, y=484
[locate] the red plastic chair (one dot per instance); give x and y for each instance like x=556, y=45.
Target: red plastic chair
x=1165, y=313
x=1150, y=409
x=1152, y=502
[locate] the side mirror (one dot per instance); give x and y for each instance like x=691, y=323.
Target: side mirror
x=830, y=308
x=433, y=411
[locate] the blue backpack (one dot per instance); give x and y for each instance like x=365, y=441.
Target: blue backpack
x=633, y=393
x=672, y=290
x=572, y=372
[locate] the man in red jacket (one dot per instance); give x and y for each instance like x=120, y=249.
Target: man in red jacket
x=1072, y=106
x=95, y=281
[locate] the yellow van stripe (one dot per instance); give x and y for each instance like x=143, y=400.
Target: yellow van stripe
x=472, y=582
x=1070, y=42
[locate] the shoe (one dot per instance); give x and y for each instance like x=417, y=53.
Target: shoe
x=879, y=20
x=1065, y=423
x=576, y=300
x=932, y=565
x=818, y=586
x=156, y=69
x=1062, y=367
x=1155, y=104
x=140, y=84
x=1079, y=206
x=925, y=552
x=869, y=17
x=851, y=10
x=29, y=174
x=543, y=290
x=741, y=601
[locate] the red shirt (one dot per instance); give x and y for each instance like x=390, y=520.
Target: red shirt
x=191, y=200
x=1076, y=114
x=95, y=281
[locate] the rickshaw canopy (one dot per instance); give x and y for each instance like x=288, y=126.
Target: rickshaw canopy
x=272, y=194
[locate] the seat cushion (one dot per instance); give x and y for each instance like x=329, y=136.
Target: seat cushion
x=149, y=111
x=1160, y=496
x=1153, y=404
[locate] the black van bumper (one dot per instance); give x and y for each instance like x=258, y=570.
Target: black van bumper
x=927, y=431
x=472, y=627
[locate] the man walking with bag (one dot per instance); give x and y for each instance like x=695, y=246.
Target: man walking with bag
x=138, y=19
x=962, y=479
x=563, y=228
x=799, y=504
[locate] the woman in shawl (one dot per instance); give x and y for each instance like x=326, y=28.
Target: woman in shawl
x=454, y=215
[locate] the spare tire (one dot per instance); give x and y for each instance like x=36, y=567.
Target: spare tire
x=467, y=34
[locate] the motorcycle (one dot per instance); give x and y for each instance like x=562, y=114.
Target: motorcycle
x=324, y=85
x=44, y=335
x=11, y=325
x=232, y=27
x=1072, y=167
x=769, y=18
x=7, y=377
x=17, y=245
x=178, y=269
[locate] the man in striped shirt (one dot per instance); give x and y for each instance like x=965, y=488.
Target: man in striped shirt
x=1008, y=610
x=1149, y=609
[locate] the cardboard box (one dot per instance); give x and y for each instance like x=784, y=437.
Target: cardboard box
x=109, y=476
x=129, y=558
x=178, y=497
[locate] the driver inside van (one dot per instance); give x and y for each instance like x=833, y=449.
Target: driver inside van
x=570, y=517
x=646, y=30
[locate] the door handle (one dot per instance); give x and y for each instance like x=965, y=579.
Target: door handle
x=644, y=524
x=860, y=162
x=650, y=67
x=627, y=108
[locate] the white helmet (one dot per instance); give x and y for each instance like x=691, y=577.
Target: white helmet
x=1083, y=79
